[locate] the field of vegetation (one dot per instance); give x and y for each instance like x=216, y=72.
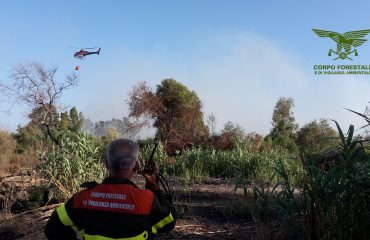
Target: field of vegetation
x=309, y=182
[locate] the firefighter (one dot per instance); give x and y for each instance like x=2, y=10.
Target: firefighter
x=116, y=208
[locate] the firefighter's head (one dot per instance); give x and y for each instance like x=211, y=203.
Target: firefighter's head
x=122, y=158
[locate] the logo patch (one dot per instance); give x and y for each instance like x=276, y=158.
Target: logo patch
x=345, y=42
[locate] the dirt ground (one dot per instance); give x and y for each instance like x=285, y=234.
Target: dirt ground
x=208, y=210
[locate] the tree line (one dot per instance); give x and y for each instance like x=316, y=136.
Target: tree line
x=176, y=113
x=171, y=108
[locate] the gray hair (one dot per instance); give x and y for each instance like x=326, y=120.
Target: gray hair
x=122, y=154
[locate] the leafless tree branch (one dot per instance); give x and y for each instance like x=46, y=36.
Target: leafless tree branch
x=36, y=86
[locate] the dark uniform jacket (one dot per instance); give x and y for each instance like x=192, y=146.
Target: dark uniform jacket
x=116, y=209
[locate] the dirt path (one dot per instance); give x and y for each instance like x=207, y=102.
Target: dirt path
x=206, y=211
x=30, y=227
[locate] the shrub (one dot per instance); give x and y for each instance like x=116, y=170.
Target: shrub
x=338, y=193
x=7, y=149
x=74, y=163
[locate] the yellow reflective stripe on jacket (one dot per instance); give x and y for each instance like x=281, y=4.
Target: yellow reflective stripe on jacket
x=162, y=223
x=63, y=216
x=66, y=220
x=141, y=236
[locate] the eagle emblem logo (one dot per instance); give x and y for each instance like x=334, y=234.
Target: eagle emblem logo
x=345, y=42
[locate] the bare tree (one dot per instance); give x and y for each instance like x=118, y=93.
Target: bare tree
x=144, y=106
x=211, y=121
x=34, y=85
x=367, y=119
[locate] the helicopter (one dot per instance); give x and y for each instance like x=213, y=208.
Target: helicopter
x=83, y=53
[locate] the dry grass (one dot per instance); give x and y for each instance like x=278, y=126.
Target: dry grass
x=27, y=225
x=12, y=163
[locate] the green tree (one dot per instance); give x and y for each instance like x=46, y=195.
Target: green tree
x=316, y=136
x=29, y=137
x=284, y=125
x=47, y=119
x=35, y=135
x=174, y=110
x=64, y=121
x=75, y=120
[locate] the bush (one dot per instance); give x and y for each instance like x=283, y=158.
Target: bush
x=334, y=199
x=338, y=191
x=198, y=164
x=7, y=149
x=75, y=162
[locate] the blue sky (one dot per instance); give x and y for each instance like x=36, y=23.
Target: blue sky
x=239, y=56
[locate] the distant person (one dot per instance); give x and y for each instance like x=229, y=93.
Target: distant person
x=116, y=208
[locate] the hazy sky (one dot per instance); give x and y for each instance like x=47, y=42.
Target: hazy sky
x=239, y=56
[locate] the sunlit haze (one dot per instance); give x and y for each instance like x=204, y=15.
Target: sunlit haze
x=238, y=56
